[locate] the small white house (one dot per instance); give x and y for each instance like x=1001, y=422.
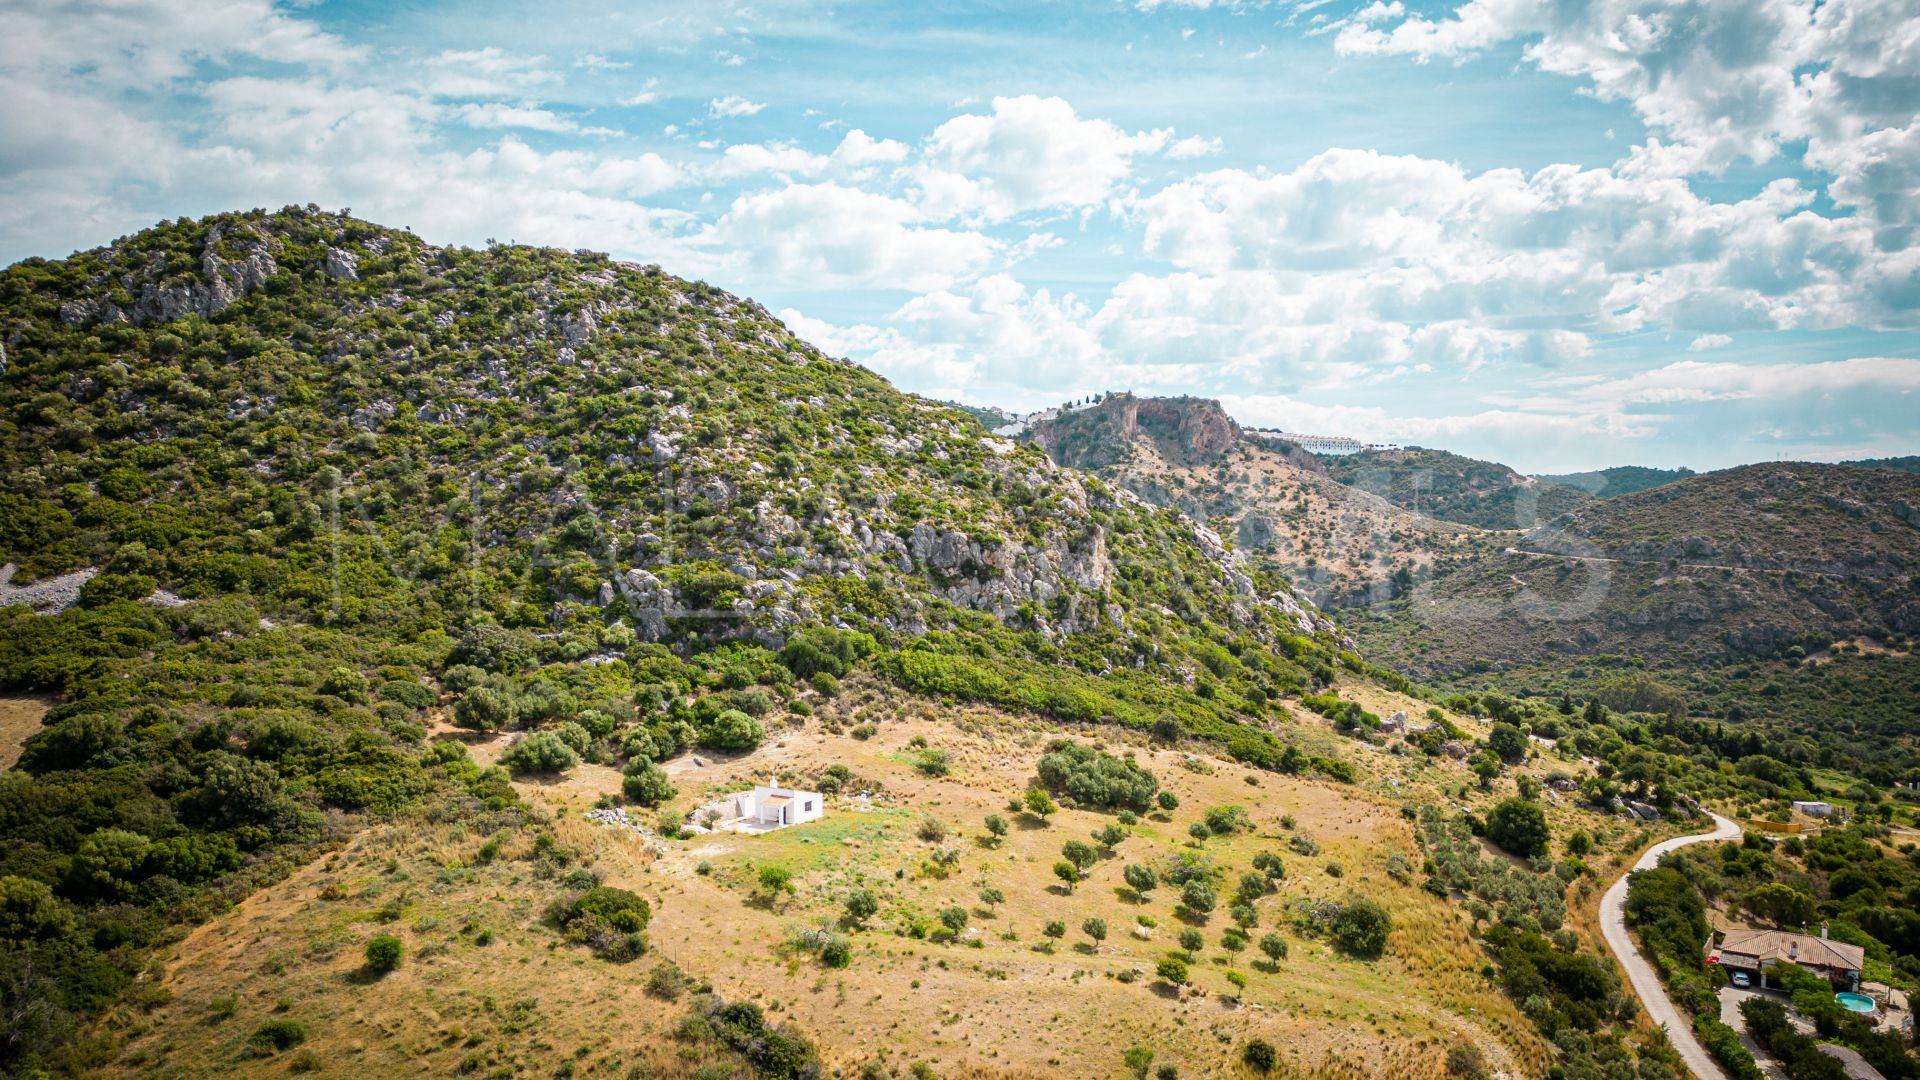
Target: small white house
x=774, y=807
x=1814, y=809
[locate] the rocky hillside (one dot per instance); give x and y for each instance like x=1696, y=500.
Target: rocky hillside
x=311, y=488
x=1738, y=563
x=1339, y=545
x=1451, y=487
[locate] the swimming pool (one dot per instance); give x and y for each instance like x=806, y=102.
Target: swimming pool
x=1859, y=1003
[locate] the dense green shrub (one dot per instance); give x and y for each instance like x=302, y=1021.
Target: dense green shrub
x=1519, y=827
x=540, y=752
x=1094, y=778
x=384, y=952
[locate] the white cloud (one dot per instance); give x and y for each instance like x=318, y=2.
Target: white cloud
x=1193, y=146
x=598, y=62
x=829, y=235
x=495, y=114
x=1706, y=342
x=1721, y=80
x=1032, y=153
x=648, y=93
x=480, y=73
x=856, y=154
x=733, y=105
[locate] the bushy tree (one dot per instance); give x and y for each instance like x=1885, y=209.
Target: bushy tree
x=1197, y=895
x=1519, y=827
x=732, y=730
x=1140, y=879
x=1361, y=928
x=486, y=708
x=384, y=953
x=1095, y=778
x=647, y=785
x=541, y=752
x=862, y=905
x=1509, y=742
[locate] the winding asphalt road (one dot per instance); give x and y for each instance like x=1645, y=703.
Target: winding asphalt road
x=1646, y=982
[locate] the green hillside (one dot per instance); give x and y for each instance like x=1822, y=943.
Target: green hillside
x=331, y=482
x=1618, y=480
x=1451, y=487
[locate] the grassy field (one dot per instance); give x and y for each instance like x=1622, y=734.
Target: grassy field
x=998, y=1000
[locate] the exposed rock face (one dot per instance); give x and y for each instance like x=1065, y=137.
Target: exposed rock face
x=342, y=264
x=222, y=280
x=1186, y=431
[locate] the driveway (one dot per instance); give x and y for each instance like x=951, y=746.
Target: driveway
x=1646, y=983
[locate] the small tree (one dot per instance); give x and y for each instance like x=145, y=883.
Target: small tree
x=1055, y=929
x=775, y=880
x=1140, y=879
x=1040, y=804
x=384, y=952
x=1168, y=801
x=1109, y=836
x=862, y=905
x=1067, y=872
x=954, y=918
x=1198, y=896
x=1199, y=831
x=1138, y=1060
x=1259, y=1056
x=996, y=825
x=1245, y=917
x=1275, y=947
x=992, y=897
x=1508, y=741
x=1079, y=854
x=1191, y=941
x=1252, y=887
x=1095, y=929
x=1172, y=969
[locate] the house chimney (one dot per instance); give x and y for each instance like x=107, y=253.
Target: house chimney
x=1823, y=931
x=1793, y=951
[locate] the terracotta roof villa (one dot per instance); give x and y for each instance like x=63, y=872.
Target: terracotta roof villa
x=1757, y=950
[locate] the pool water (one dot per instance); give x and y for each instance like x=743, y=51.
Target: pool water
x=1859, y=1003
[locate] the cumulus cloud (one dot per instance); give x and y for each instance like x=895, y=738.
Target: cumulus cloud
x=1721, y=80
x=1707, y=342
x=827, y=235
x=733, y=105
x=856, y=152
x=1030, y=153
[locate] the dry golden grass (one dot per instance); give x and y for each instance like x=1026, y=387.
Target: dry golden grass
x=991, y=1004
x=19, y=719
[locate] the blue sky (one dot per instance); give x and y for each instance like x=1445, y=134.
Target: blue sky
x=1558, y=234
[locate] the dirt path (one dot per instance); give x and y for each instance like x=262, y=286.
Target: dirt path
x=19, y=718
x=1646, y=983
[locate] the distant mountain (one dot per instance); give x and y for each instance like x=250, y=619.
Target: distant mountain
x=1910, y=463
x=1618, y=480
x=1741, y=562
x=1453, y=487
x=1338, y=545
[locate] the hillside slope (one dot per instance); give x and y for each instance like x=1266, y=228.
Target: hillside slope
x=1338, y=545
x=1617, y=480
x=1455, y=488
x=319, y=486
x=1741, y=562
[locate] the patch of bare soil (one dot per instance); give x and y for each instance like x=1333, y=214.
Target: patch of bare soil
x=19, y=719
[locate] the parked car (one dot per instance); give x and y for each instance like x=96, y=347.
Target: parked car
x=1742, y=980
